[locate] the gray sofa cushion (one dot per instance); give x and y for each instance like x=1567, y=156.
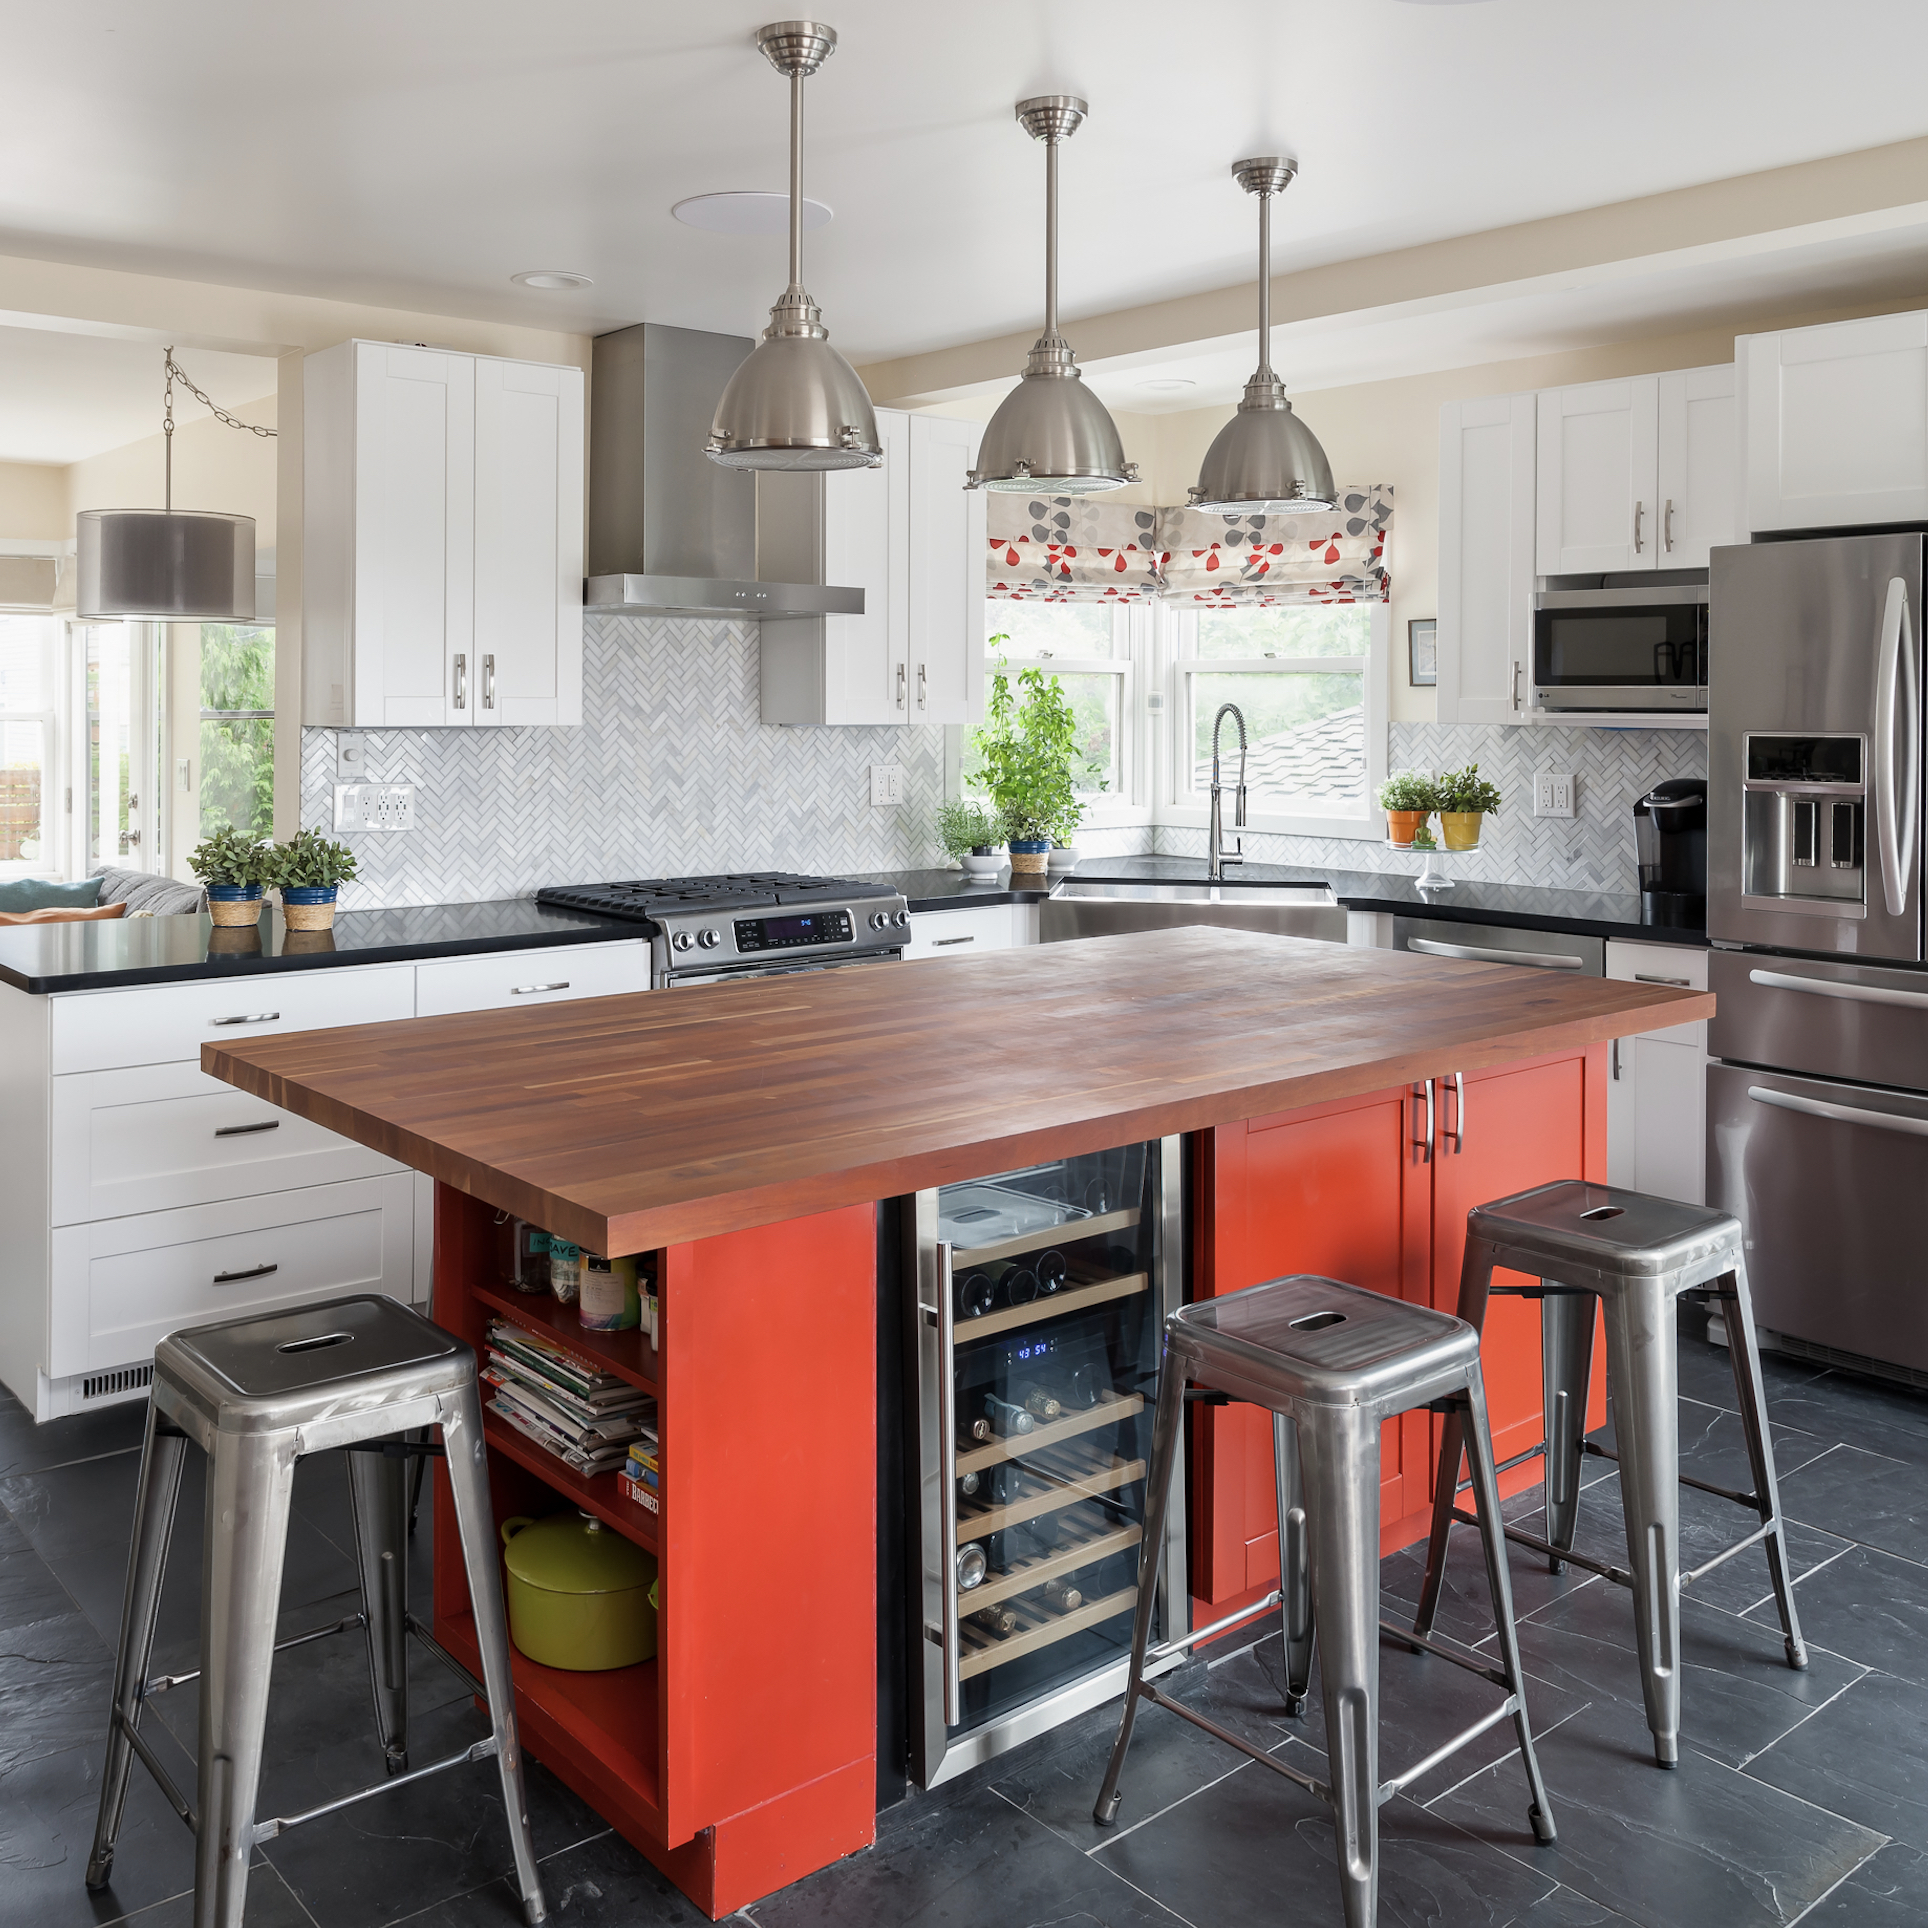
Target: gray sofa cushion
x=148, y=896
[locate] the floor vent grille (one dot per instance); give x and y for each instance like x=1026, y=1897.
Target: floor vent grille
x=106, y=1385
x=1847, y=1361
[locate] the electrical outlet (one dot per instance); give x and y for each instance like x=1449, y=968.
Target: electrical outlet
x=374, y=806
x=886, y=784
x=1553, y=794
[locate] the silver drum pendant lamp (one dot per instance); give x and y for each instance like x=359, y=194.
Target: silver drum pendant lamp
x=1265, y=460
x=1051, y=435
x=795, y=403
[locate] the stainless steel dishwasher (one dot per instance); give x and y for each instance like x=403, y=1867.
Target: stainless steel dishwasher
x=1501, y=944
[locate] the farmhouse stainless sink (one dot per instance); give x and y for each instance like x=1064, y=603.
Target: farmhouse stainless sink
x=1090, y=907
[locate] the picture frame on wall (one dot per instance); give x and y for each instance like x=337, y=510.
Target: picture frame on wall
x=1422, y=651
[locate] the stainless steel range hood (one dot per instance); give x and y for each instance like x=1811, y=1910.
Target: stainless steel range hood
x=670, y=531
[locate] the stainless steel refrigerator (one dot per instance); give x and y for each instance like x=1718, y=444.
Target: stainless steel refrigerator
x=1817, y=1102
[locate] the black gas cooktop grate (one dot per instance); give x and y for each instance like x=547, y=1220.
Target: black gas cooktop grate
x=648, y=897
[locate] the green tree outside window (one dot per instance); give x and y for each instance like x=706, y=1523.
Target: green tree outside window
x=237, y=729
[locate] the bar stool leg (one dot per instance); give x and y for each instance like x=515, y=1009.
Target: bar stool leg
x=1475, y=1283
x=1295, y=1579
x=378, y=1495
x=1566, y=1365
x=162, y=1454
x=1643, y=1369
x=250, y=1484
x=1492, y=1535
x=1341, y=1451
x=461, y=1422
x=1744, y=1354
x=1167, y=1422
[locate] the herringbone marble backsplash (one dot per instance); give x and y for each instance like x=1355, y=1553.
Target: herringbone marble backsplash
x=1592, y=850
x=671, y=774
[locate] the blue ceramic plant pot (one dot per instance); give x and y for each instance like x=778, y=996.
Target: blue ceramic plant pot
x=1030, y=855
x=309, y=907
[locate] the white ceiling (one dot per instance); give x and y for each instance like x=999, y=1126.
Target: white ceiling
x=418, y=155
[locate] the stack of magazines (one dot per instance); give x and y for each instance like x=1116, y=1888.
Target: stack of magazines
x=585, y=1417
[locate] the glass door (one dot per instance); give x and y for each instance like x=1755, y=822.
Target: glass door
x=118, y=670
x=1040, y=1296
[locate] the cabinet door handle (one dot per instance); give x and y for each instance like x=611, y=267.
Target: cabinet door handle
x=249, y=1017
x=488, y=682
x=900, y=685
x=1616, y=1060
x=938, y=943
x=923, y=689
x=462, y=682
x=523, y=990
x=244, y=1131
x=1667, y=526
x=1679, y=983
x=1481, y=954
x=1459, y=1112
x=1638, y=509
x=1518, y=669
x=1424, y=1145
x=249, y=1272
x=948, y=1626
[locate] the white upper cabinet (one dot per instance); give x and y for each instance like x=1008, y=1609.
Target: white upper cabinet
x=442, y=537
x=909, y=536
x=1486, y=507
x=1699, y=474
x=1834, y=424
x=1597, y=508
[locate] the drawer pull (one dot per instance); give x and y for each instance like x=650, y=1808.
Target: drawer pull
x=1481, y=954
x=938, y=943
x=1679, y=983
x=523, y=990
x=251, y=1272
x=243, y=1131
x=1823, y=987
x=252, y=1017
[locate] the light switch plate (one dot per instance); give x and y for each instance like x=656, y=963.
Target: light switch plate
x=1553, y=794
x=374, y=806
x=351, y=756
x=886, y=784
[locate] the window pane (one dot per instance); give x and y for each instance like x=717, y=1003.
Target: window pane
x=1306, y=733
x=1022, y=629
x=1327, y=629
x=237, y=729
x=26, y=663
x=23, y=750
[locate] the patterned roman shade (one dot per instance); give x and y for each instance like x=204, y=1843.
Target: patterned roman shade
x=1067, y=548
x=1215, y=561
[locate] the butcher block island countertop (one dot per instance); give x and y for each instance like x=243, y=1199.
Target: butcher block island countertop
x=630, y=1123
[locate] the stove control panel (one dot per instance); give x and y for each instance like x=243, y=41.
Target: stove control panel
x=792, y=931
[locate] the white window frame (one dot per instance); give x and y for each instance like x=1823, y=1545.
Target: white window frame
x=1178, y=660
x=52, y=754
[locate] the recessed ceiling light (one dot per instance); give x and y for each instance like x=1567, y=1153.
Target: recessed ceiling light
x=550, y=278
x=749, y=212
x=1167, y=384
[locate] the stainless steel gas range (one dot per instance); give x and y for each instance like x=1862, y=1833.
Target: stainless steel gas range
x=709, y=930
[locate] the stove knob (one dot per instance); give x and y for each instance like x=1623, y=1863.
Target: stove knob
x=880, y=920
x=682, y=940
x=902, y=920
x=708, y=939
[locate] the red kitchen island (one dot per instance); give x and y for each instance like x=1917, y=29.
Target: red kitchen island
x=1341, y=1110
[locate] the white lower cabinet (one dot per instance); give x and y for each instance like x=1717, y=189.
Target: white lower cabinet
x=1657, y=1088
x=508, y=980
x=963, y=933
x=121, y=1285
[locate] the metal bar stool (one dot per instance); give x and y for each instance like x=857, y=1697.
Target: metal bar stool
x=1636, y=1255
x=256, y=1395
x=1331, y=1362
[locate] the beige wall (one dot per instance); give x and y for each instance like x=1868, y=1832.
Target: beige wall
x=33, y=502
x=215, y=467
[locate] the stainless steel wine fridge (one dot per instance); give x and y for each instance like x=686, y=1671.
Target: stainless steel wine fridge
x=1037, y=1300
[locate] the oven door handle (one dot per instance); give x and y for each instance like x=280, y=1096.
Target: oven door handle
x=1838, y=1114
x=1895, y=747
x=1854, y=993
x=1539, y=960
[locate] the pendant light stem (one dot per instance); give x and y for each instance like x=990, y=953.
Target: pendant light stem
x=1051, y=236
x=1265, y=289
x=796, y=179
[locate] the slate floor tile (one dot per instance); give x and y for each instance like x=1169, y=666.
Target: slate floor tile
x=1569, y=1908
x=269, y=1905
x=1869, y=1497
x=56, y=1681
x=1702, y=1843
x=1465, y=1606
x=596, y=1883
x=26, y=1447
x=983, y=1861
x=28, y=1589
x=1864, y=1755
x=1889, y=1890
x=1867, y=1412
x=1248, y=1845
x=1866, y=1605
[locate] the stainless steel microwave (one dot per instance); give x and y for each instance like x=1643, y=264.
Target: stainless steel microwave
x=1621, y=649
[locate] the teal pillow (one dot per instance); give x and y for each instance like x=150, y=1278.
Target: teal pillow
x=35, y=893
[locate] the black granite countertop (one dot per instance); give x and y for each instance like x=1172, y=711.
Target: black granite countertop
x=1524, y=906
x=169, y=950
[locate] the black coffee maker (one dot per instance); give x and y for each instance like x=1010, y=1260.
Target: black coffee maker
x=1670, y=843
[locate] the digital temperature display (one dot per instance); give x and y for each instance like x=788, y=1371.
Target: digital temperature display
x=1035, y=1349
x=792, y=933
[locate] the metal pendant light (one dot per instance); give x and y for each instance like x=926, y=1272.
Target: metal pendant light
x=795, y=403
x=161, y=565
x=1051, y=435
x=1265, y=460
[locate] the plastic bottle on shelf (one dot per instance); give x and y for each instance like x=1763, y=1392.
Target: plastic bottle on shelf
x=565, y=1270
x=609, y=1300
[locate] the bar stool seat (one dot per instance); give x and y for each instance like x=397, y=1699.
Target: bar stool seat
x=1636, y=1255
x=1331, y=1362
x=256, y=1395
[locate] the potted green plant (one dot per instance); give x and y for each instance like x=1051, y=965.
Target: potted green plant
x=1408, y=799
x=970, y=832
x=1464, y=798
x=310, y=871
x=234, y=868
x=1028, y=748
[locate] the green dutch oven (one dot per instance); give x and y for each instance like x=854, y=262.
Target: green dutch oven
x=581, y=1596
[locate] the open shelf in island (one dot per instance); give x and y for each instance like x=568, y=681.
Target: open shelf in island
x=598, y=1494
x=629, y=1355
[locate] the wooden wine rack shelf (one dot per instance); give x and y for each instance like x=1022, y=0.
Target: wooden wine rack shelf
x=1066, y=1474
x=1051, y=1307
x=1037, y=1627
x=1068, y=1233
x=1090, y=1536
x=1049, y=1432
